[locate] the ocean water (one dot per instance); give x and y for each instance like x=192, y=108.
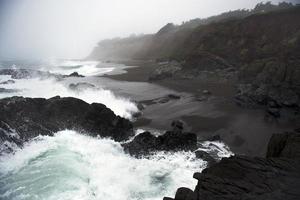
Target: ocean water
x=72, y=166
x=49, y=87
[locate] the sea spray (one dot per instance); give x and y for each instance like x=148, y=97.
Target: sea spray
x=74, y=166
x=50, y=87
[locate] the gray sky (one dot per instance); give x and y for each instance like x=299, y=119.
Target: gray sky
x=71, y=28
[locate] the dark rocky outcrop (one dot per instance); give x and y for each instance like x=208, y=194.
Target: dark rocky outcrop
x=145, y=143
x=22, y=119
x=74, y=74
x=240, y=177
x=175, y=140
x=205, y=156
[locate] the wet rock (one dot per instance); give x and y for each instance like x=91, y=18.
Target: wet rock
x=30, y=117
x=240, y=177
x=174, y=96
x=185, y=194
x=74, y=74
x=205, y=156
x=145, y=143
x=140, y=106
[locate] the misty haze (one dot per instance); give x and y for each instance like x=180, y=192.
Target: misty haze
x=149, y=100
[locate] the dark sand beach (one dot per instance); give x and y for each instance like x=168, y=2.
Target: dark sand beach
x=245, y=130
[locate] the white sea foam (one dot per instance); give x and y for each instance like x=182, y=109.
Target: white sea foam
x=47, y=88
x=74, y=166
x=71, y=166
x=86, y=68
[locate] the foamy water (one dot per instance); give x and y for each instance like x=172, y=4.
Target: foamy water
x=86, y=68
x=71, y=166
x=49, y=87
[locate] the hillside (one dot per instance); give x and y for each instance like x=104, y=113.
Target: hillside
x=259, y=53
x=170, y=38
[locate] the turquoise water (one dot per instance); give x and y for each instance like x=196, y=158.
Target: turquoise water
x=74, y=166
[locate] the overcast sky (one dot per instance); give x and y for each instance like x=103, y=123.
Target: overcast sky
x=71, y=28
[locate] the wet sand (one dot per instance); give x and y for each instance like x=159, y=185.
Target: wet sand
x=245, y=130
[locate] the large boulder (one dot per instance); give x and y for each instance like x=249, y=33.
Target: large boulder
x=242, y=177
x=175, y=140
x=30, y=117
x=146, y=143
x=74, y=74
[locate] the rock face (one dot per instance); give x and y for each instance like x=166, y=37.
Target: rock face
x=22, y=119
x=239, y=177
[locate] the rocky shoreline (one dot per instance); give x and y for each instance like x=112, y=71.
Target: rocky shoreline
x=22, y=119
x=240, y=177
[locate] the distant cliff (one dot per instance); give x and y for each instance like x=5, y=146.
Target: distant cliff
x=171, y=40
x=257, y=49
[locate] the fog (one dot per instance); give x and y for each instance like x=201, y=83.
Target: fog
x=71, y=28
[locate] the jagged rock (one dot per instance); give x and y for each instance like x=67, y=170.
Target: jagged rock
x=146, y=143
x=185, y=194
x=30, y=117
x=249, y=95
x=242, y=177
x=74, y=74
x=7, y=82
x=205, y=156
x=81, y=86
x=174, y=96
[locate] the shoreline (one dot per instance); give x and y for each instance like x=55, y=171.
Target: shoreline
x=217, y=115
